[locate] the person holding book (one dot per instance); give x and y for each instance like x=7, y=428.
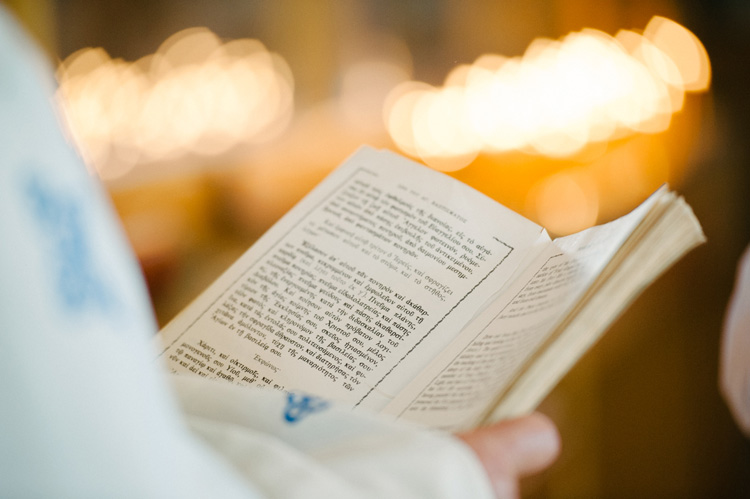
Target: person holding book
x=87, y=412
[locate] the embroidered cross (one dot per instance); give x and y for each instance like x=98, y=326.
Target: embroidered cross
x=300, y=405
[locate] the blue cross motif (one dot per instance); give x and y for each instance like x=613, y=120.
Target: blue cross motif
x=300, y=405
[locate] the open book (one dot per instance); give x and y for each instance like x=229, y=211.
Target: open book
x=396, y=288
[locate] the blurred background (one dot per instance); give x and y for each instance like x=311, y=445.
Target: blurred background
x=207, y=120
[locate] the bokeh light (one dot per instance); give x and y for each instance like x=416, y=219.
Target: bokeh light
x=553, y=101
x=196, y=95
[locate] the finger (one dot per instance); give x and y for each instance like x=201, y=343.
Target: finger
x=519, y=446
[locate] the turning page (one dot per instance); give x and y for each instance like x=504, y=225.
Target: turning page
x=508, y=345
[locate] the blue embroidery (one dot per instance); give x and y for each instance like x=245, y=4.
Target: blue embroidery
x=300, y=405
x=78, y=283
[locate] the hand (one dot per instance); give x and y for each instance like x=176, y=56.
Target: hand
x=515, y=448
x=734, y=374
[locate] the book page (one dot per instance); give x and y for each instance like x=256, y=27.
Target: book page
x=356, y=288
x=668, y=231
x=458, y=387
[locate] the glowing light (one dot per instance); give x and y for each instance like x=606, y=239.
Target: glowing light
x=195, y=95
x=560, y=96
x=692, y=69
x=565, y=202
x=398, y=111
x=439, y=132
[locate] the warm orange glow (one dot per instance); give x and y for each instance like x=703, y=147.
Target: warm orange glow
x=691, y=68
x=565, y=203
x=195, y=95
x=555, y=100
x=440, y=132
x=398, y=109
x=364, y=88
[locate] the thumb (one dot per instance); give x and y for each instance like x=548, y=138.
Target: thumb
x=515, y=448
